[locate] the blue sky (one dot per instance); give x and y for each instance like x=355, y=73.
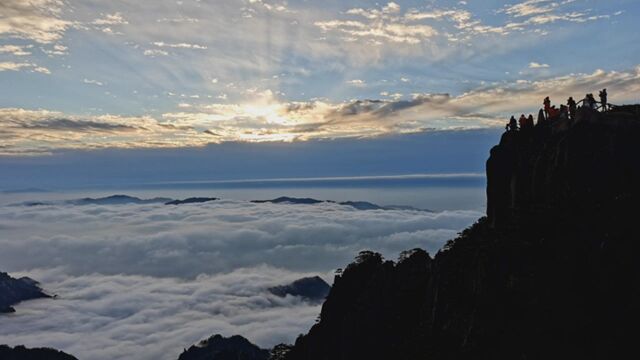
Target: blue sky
x=126, y=74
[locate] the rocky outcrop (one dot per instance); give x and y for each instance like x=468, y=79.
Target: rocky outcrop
x=221, y=348
x=13, y=291
x=22, y=353
x=565, y=170
x=550, y=273
x=311, y=288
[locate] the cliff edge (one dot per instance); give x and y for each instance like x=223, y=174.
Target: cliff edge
x=551, y=272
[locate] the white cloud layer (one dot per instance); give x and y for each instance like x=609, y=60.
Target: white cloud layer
x=145, y=281
x=186, y=241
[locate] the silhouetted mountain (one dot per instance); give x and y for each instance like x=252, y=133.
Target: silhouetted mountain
x=550, y=273
x=289, y=200
x=22, y=353
x=359, y=205
x=109, y=200
x=312, y=288
x=221, y=348
x=118, y=200
x=193, y=200
x=13, y=291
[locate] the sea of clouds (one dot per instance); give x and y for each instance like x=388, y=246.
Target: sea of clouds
x=146, y=281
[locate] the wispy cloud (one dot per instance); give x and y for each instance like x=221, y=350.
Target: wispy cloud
x=16, y=50
x=535, y=65
x=14, y=66
x=92, y=82
x=37, y=20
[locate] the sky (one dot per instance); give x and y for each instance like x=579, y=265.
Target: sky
x=124, y=74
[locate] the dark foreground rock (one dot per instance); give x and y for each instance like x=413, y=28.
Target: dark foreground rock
x=221, y=348
x=550, y=273
x=22, y=353
x=311, y=288
x=13, y=291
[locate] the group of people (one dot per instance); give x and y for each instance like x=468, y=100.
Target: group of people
x=565, y=112
x=524, y=123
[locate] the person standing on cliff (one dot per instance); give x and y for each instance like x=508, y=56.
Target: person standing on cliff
x=603, y=99
x=541, y=119
x=547, y=106
x=522, y=122
x=593, y=104
x=572, y=108
x=512, y=125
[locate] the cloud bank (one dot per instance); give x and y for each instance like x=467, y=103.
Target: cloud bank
x=145, y=281
x=216, y=237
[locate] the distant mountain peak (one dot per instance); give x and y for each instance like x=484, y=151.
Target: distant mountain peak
x=311, y=288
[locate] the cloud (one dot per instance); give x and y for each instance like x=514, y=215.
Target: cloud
x=36, y=20
x=179, y=45
x=155, y=52
x=150, y=280
x=14, y=66
x=357, y=83
x=16, y=50
x=109, y=317
x=92, y=82
x=211, y=238
x=268, y=118
x=380, y=25
x=535, y=65
x=110, y=19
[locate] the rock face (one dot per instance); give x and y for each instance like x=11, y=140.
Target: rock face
x=550, y=273
x=221, y=348
x=311, y=288
x=13, y=291
x=22, y=353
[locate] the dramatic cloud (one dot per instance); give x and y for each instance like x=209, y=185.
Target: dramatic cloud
x=145, y=281
x=268, y=118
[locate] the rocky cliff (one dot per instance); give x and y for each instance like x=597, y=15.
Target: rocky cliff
x=218, y=347
x=13, y=291
x=22, y=353
x=551, y=272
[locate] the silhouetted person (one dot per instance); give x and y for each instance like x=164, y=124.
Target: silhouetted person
x=547, y=106
x=512, y=125
x=603, y=99
x=564, y=113
x=522, y=122
x=530, y=122
x=572, y=108
x=593, y=104
x=541, y=118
